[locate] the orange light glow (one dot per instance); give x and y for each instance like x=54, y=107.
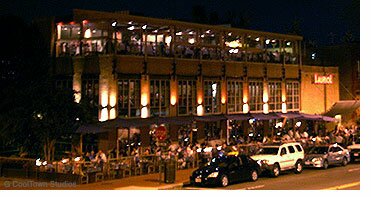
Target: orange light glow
x=173, y=100
x=112, y=113
x=223, y=100
x=199, y=100
x=104, y=98
x=85, y=22
x=112, y=100
x=244, y=99
x=72, y=23
x=144, y=99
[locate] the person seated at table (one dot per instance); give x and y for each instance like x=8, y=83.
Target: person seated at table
x=147, y=152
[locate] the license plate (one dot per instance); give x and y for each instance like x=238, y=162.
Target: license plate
x=356, y=154
x=198, y=180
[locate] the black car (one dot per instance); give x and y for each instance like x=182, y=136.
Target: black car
x=226, y=169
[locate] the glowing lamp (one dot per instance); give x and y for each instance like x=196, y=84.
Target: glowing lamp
x=284, y=108
x=112, y=100
x=223, y=100
x=245, y=108
x=87, y=33
x=173, y=100
x=104, y=99
x=85, y=22
x=104, y=115
x=200, y=110
x=191, y=40
x=144, y=99
x=265, y=108
x=298, y=124
x=265, y=97
x=112, y=113
x=199, y=100
x=144, y=112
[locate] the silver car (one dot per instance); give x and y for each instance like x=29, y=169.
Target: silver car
x=322, y=156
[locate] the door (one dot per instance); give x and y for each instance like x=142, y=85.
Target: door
x=292, y=156
x=335, y=156
x=235, y=168
x=284, y=158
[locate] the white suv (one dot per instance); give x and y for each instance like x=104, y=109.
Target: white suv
x=275, y=158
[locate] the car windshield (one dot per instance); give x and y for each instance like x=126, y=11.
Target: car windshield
x=220, y=162
x=319, y=150
x=267, y=151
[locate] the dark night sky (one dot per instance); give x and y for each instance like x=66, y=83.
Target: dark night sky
x=318, y=18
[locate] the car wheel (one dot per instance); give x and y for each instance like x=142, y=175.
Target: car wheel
x=254, y=176
x=344, y=162
x=275, y=171
x=224, y=181
x=325, y=164
x=298, y=167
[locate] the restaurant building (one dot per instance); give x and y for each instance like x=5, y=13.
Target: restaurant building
x=134, y=68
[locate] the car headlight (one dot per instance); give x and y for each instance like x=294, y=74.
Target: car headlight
x=213, y=175
x=317, y=159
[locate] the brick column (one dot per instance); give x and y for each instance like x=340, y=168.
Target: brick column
x=107, y=90
x=145, y=96
x=173, y=96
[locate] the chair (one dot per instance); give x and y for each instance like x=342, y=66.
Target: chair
x=125, y=171
x=84, y=179
x=151, y=168
x=99, y=176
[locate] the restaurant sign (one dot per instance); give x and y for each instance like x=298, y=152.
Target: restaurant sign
x=323, y=79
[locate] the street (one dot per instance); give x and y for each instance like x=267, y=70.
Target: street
x=346, y=178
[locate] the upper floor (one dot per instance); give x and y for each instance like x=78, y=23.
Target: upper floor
x=98, y=33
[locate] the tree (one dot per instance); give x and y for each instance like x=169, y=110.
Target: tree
x=34, y=113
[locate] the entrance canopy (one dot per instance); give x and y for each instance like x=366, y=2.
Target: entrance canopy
x=343, y=107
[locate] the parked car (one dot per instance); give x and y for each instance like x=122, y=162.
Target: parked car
x=355, y=152
x=322, y=156
x=222, y=171
x=275, y=158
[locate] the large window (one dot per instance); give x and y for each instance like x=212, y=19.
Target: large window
x=186, y=97
x=256, y=95
x=129, y=97
x=275, y=96
x=160, y=97
x=235, y=89
x=63, y=84
x=90, y=91
x=212, y=96
x=293, y=96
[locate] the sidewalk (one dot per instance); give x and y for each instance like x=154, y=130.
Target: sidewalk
x=143, y=182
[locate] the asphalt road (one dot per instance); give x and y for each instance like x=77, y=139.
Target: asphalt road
x=337, y=177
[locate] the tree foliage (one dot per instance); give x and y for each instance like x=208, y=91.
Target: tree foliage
x=34, y=113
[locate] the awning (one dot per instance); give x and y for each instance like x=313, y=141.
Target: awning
x=177, y=120
x=238, y=117
x=342, y=107
x=211, y=118
x=289, y=115
x=260, y=116
x=135, y=122
x=309, y=117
